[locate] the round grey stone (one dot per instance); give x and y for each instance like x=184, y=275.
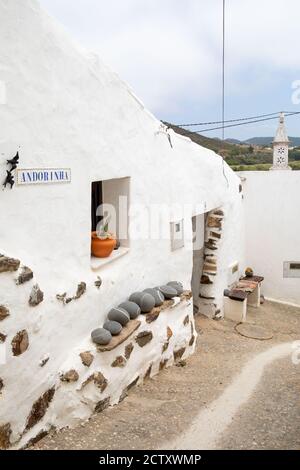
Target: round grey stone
x=168, y=291
x=146, y=302
x=101, y=336
x=131, y=308
x=135, y=297
x=177, y=286
x=113, y=327
x=157, y=295
x=119, y=315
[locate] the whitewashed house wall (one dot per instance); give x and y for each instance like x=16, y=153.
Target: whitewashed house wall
x=65, y=109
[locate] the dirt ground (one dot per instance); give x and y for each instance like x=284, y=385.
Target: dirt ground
x=163, y=408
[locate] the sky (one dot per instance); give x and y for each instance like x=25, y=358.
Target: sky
x=170, y=53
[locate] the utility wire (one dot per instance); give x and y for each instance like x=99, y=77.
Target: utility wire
x=231, y=120
x=243, y=123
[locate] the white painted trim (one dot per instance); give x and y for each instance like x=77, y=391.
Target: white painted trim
x=277, y=301
x=98, y=263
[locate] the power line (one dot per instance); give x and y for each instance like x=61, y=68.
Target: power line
x=230, y=120
x=244, y=123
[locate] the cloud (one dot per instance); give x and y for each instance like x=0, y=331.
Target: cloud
x=169, y=51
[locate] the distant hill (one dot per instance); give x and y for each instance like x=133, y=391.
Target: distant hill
x=216, y=145
x=263, y=141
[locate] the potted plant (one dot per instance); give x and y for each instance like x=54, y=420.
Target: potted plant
x=103, y=242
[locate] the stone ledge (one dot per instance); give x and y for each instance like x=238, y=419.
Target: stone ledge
x=127, y=331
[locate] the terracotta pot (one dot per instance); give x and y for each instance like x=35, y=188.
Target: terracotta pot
x=102, y=248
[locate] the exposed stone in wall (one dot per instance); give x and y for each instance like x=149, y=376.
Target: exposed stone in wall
x=144, y=338
x=216, y=235
x=148, y=372
x=209, y=268
x=133, y=383
x=192, y=340
x=214, y=222
x=5, y=432
x=152, y=316
x=2, y=337
x=128, y=350
x=20, y=343
x=213, y=236
x=178, y=354
x=4, y=312
x=8, y=264
x=81, y=289
x=186, y=320
x=163, y=363
x=44, y=361
x=169, y=333
x=120, y=361
x=25, y=275
x=205, y=279
x=70, y=376
x=86, y=358
x=1, y=384
x=36, y=296
x=165, y=347
x=102, y=405
x=219, y=212
x=98, y=282
x=39, y=408
x=98, y=379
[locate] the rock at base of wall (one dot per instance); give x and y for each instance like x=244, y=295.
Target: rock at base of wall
x=102, y=405
x=39, y=408
x=178, y=354
x=5, y=432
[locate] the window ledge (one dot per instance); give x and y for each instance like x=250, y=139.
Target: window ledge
x=98, y=263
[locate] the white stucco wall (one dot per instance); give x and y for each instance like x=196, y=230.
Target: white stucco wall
x=64, y=108
x=272, y=226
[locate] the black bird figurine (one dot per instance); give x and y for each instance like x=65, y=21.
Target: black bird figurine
x=9, y=180
x=14, y=161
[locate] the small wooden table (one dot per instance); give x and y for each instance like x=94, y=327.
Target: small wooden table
x=245, y=292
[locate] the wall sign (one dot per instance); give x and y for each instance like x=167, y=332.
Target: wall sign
x=43, y=176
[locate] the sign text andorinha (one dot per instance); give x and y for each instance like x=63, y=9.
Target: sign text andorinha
x=43, y=176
